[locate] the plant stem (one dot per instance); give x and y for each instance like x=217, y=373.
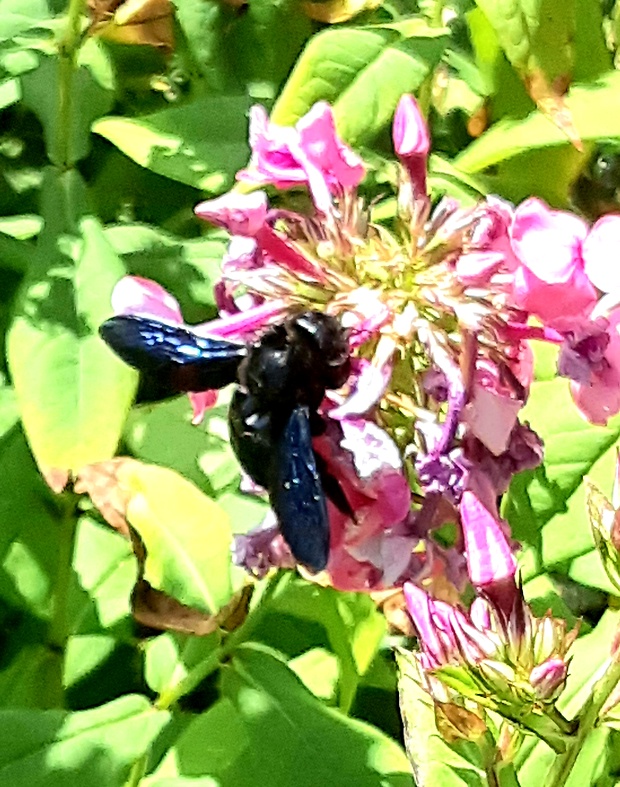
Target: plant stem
x=68, y=48
x=59, y=626
x=563, y=765
x=196, y=675
x=138, y=771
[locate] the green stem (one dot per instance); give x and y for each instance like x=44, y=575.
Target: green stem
x=201, y=671
x=138, y=771
x=194, y=677
x=563, y=765
x=437, y=17
x=59, y=624
x=68, y=48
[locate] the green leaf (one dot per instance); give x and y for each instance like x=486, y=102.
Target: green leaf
x=546, y=507
x=163, y=434
x=32, y=679
x=187, y=268
x=353, y=625
x=89, y=101
x=170, y=656
x=18, y=16
x=269, y=729
x=187, y=536
x=202, y=46
x=202, y=143
x=595, y=113
x=73, y=392
x=361, y=71
x=93, y=748
x=29, y=532
x=105, y=571
x=434, y=762
x=318, y=670
x=535, y=35
x=263, y=60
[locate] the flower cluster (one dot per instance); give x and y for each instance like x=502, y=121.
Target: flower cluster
x=497, y=654
x=440, y=308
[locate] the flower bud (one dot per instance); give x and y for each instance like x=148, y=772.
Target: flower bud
x=411, y=142
x=547, y=679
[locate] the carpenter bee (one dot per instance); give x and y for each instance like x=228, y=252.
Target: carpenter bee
x=282, y=379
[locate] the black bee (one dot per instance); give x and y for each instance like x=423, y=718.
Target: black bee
x=597, y=189
x=282, y=380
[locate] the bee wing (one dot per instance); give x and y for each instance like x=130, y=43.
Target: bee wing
x=296, y=494
x=179, y=359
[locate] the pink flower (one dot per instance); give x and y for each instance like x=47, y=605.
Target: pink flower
x=411, y=141
x=489, y=557
x=446, y=634
x=240, y=214
x=548, y=678
x=374, y=497
x=550, y=281
x=146, y=298
x=597, y=396
x=309, y=153
x=368, y=386
x=491, y=564
x=492, y=409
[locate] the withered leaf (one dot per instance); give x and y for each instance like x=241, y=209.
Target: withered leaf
x=145, y=22
x=157, y=610
x=101, y=482
x=454, y=722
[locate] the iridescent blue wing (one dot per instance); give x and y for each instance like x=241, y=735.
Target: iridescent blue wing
x=179, y=359
x=296, y=493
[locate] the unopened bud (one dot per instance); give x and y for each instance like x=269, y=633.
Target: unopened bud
x=547, y=679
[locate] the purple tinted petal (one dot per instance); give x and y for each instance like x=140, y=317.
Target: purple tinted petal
x=489, y=557
x=368, y=387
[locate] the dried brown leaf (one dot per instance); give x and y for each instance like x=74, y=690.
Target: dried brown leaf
x=157, y=610
x=454, y=722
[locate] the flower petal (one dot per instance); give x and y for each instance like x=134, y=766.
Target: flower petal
x=143, y=297
x=601, y=251
x=489, y=558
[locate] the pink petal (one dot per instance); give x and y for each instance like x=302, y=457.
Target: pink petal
x=550, y=281
x=135, y=295
x=319, y=140
x=420, y=607
x=240, y=214
x=489, y=558
x=244, y=324
x=202, y=401
x=491, y=417
x=601, y=253
x=411, y=142
x=477, y=267
x=368, y=388
x=600, y=400
x=548, y=242
x=409, y=131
